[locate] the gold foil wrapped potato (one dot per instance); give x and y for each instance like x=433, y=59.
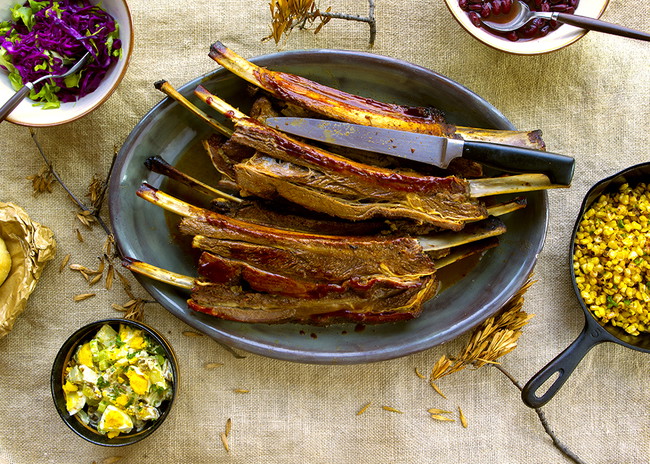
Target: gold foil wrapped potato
x=30, y=245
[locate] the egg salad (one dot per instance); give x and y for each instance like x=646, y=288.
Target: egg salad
x=116, y=382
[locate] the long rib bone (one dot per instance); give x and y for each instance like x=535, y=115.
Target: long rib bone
x=342, y=106
x=159, y=274
x=490, y=186
x=472, y=232
x=166, y=88
x=476, y=231
x=159, y=165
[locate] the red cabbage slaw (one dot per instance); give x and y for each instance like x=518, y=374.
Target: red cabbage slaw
x=49, y=37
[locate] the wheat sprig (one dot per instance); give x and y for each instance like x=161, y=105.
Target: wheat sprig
x=495, y=338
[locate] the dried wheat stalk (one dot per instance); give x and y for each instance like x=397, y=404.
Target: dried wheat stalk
x=493, y=339
x=55, y=175
x=289, y=14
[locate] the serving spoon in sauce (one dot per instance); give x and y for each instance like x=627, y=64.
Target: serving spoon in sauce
x=520, y=14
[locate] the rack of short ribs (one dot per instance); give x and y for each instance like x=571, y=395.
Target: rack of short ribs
x=389, y=225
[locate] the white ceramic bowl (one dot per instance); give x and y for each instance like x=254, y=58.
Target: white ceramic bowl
x=555, y=40
x=27, y=115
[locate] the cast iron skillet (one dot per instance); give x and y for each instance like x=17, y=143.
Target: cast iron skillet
x=594, y=331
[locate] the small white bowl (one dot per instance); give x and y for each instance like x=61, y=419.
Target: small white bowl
x=563, y=36
x=25, y=114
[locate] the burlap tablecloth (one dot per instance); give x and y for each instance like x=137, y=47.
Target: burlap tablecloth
x=592, y=100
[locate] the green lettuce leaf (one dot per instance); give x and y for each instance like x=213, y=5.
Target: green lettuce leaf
x=72, y=80
x=24, y=14
x=38, y=6
x=15, y=80
x=47, y=95
x=5, y=60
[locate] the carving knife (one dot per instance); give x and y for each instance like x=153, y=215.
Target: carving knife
x=429, y=149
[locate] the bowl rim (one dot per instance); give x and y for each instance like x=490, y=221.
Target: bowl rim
x=61, y=360
x=127, y=59
x=520, y=47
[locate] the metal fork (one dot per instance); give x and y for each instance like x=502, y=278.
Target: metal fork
x=15, y=100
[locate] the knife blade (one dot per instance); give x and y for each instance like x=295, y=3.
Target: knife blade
x=429, y=149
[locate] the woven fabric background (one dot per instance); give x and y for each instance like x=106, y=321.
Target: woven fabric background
x=592, y=100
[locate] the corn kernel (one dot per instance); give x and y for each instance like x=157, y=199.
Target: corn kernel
x=612, y=258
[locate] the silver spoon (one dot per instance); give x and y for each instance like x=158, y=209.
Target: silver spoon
x=15, y=100
x=523, y=15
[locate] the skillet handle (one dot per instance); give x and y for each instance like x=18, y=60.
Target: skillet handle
x=563, y=364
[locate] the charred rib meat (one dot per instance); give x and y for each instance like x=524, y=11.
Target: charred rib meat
x=250, y=271
x=343, y=106
x=337, y=186
x=382, y=305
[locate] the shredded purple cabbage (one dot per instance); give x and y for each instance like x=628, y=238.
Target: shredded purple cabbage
x=55, y=37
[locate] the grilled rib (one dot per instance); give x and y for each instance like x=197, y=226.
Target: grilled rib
x=217, y=269
x=342, y=106
x=380, y=304
x=209, y=224
x=442, y=201
x=236, y=304
x=310, y=255
x=293, y=217
x=263, y=108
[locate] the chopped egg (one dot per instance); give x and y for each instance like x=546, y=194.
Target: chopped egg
x=85, y=355
x=137, y=342
x=138, y=381
x=69, y=387
x=132, y=337
x=74, y=401
x=114, y=420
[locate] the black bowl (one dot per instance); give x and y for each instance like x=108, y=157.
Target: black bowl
x=58, y=375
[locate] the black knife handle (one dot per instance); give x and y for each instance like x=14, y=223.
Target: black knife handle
x=559, y=168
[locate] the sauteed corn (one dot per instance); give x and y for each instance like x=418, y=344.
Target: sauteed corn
x=611, y=258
